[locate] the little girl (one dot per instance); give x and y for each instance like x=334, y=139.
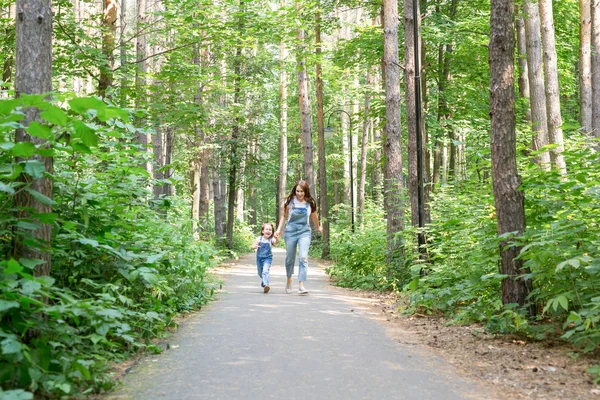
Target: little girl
x=264, y=255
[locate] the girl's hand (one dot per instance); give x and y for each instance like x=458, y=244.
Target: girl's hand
x=254, y=246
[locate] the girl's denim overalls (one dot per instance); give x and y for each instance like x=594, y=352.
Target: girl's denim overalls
x=297, y=233
x=264, y=259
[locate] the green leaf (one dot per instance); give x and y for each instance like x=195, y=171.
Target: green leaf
x=95, y=338
x=29, y=288
x=18, y=394
x=82, y=148
x=11, y=345
x=55, y=116
x=91, y=242
x=30, y=263
x=153, y=258
x=24, y=149
x=86, y=134
x=8, y=106
x=83, y=369
x=46, y=218
x=7, y=305
x=81, y=105
x=13, y=267
x=35, y=168
x=7, y=145
x=561, y=301
x=7, y=189
x=38, y=130
x=40, y=197
x=31, y=226
x=65, y=387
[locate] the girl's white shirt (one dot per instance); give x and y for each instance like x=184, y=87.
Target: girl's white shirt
x=261, y=239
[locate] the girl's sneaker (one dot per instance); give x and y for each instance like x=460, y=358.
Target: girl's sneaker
x=266, y=288
x=302, y=290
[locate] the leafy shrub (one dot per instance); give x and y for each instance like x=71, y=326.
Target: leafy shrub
x=360, y=257
x=123, y=264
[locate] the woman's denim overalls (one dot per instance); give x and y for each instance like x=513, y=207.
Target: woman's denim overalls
x=297, y=233
x=264, y=259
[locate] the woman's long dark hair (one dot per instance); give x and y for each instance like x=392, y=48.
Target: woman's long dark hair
x=307, y=197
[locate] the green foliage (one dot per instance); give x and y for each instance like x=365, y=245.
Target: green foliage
x=360, y=258
x=562, y=243
x=123, y=263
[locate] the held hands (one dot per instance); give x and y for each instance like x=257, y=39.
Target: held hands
x=277, y=234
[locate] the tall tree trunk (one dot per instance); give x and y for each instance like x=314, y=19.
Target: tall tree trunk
x=585, y=65
x=539, y=118
x=364, y=144
x=159, y=161
x=33, y=75
x=9, y=33
x=323, y=203
x=202, y=151
x=168, y=157
x=143, y=138
x=219, y=175
x=305, y=119
x=522, y=62
x=283, y=110
x=195, y=183
x=377, y=161
x=235, y=134
x=123, y=51
x=393, y=151
x=109, y=32
x=444, y=58
x=555, y=133
x=596, y=70
x=414, y=186
x=508, y=197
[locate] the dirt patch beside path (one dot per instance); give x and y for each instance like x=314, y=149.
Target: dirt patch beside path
x=516, y=368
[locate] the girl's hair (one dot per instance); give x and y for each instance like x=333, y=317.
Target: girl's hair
x=307, y=197
x=263, y=228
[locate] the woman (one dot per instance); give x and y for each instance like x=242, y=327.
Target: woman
x=298, y=209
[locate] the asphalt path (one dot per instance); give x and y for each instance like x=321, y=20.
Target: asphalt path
x=322, y=345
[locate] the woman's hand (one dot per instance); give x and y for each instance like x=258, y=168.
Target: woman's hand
x=320, y=229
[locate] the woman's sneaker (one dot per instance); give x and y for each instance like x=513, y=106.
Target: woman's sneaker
x=288, y=289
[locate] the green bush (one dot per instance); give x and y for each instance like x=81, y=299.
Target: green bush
x=123, y=264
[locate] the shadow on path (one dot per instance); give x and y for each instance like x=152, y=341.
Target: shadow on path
x=324, y=345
